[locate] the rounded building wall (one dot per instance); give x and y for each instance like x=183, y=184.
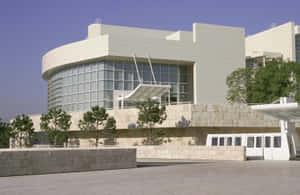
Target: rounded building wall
x=80, y=87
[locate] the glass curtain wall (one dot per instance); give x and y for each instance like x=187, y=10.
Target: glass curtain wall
x=82, y=86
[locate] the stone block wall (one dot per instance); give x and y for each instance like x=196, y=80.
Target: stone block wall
x=58, y=160
x=193, y=152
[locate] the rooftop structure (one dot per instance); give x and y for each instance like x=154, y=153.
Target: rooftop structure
x=280, y=42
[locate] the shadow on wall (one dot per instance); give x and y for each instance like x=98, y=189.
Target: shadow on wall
x=183, y=122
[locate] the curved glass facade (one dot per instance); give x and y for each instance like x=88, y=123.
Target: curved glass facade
x=80, y=87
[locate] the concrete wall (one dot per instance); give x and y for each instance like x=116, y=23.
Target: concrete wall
x=43, y=161
x=220, y=51
x=192, y=152
x=280, y=39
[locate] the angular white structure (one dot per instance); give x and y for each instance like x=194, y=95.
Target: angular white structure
x=97, y=70
x=278, y=42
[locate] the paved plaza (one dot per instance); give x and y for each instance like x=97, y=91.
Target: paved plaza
x=167, y=177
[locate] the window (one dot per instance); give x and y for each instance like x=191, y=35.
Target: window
x=238, y=141
x=277, y=142
x=229, y=141
x=267, y=141
x=250, y=142
x=258, y=142
x=214, y=141
x=221, y=141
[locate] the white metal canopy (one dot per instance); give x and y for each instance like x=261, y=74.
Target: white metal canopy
x=144, y=91
x=287, y=111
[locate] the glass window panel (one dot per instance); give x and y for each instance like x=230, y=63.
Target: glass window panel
x=74, y=79
x=229, y=141
x=87, y=77
x=101, y=95
x=250, y=142
x=238, y=141
x=100, y=66
x=128, y=76
x=75, y=70
x=108, y=66
x=87, y=68
x=87, y=97
x=118, y=66
x=267, y=141
x=277, y=142
x=164, y=77
x=135, y=84
x=147, y=76
x=87, y=86
x=128, y=85
x=101, y=104
x=81, y=69
x=258, y=142
x=74, y=98
x=108, y=104
x=94, y=96
x=93, y=104
x=81, y=87
x=222, y=141
x=94, y=76
x=74, y=88
x=101, y=75
x=119, y=76
x=164, y=68
x=108, y=75
x=81, y=78
x=94, y=86
x=100, y=85
x=93, y=67
x=108, y=95
x=118, y=85
x=214, y=141
x=108, y=84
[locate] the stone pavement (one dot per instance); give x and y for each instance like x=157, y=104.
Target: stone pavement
x=162, y=177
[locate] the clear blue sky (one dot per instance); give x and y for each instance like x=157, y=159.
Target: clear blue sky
x=30, y=28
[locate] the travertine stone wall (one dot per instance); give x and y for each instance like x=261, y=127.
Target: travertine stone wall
x=58, y=160
x=188, y=115
x=193, y=152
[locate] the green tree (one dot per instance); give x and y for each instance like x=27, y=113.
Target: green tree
x=23, y=131
x=238, y=83
x=265, y=84
x=5, y=134
x=56, y=124
x=110, y=131
x=150, y=114
x=94, y=120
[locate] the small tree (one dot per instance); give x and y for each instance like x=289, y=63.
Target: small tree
x=110, y=131
x=5, y=134
x=23, y=131
x=94, y=120
x=55, y=123
x=150, y=114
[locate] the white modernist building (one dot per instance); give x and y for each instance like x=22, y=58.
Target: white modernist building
x=116, y=66
x=281, y=42
x=106, y=67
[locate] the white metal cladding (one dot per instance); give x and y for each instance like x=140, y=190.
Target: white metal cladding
x=145, y=91
x=289, y=111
